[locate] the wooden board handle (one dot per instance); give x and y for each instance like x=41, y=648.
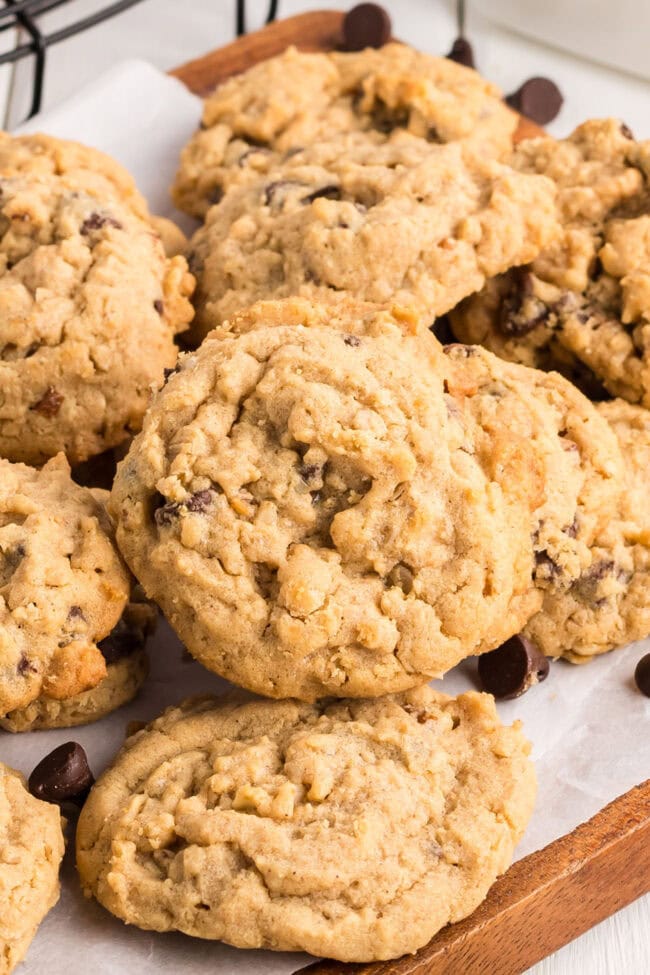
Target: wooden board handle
x=542, y=902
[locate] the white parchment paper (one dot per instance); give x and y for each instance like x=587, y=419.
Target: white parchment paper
x=589, y=725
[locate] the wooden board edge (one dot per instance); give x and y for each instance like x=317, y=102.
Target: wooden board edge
x=542, y=902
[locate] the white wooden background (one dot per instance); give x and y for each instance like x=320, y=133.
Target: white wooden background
x=168, y=32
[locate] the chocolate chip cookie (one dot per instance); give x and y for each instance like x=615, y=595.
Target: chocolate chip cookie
x=31, y=849
x=127, y=666
x=63, y=585
x=583, y=305
x=354, y=829
x=313, y=517
x=291, y=101
x=402, y=222
x=89, y=306
x=609, y=604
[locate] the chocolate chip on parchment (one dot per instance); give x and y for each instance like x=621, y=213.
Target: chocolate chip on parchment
x=461, y=52
x=512, y=668
x=96, y=221
x=539, y=99
x=331, y=192
x=642, y=675
x=366, y=25
x=50, y=402
x=63, y=775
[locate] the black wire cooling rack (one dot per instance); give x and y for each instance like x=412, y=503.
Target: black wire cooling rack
x=32, y=41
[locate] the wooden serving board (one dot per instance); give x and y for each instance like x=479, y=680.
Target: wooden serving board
x=552, y=896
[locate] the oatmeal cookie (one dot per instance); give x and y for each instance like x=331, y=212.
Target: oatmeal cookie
x=354, y=829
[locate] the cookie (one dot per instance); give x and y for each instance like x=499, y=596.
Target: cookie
x=127, y=666
x=314, y=517
x=258, y=118
x=583, y=305
x=89, y=306
x=63, y=585
x=609, y=604
x=403, y=222
x=354, y=829
x=583, y=470
x=31, y=850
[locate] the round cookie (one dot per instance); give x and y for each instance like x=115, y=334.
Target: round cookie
x=63, y=585
x=402, y=222
x=609, y=604
x=290, y=101
x=354, y=829
x=89, y=306
x=583, y=305
x=127, y=666
x=313, y=519
x=31, y=850
x=584, y=473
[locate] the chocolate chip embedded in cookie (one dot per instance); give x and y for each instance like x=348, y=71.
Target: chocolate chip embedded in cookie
x=609, y=604
x=89, y=304
x=256, y=119
x=31, y=850
x=62, y=582
x=405, y=222
x=583, y=305
x=325, y=522
x=354, y=829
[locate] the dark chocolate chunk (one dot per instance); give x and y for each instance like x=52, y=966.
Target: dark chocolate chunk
x=352, y=340
x=461, y=52
x=50, y=402
x=538, y=99
x=158, y=305
x=63, y=775
x=329, y=192
x=96, y=221
x=512, y=668
x=366, y=25
x=121, y=642
x=642, y=675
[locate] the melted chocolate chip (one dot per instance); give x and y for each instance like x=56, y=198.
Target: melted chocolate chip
x=328, y=192
x=642, y=675
x=274, y=191
x=63, y=775
x=461, y=52
x=76, y=613
x=96, y=221
x=200, y=501
x=538, y=99
x=352, y=340
x=158, y=305
x=121, y=642
x=512, y=668
x=548, y=568
x=366, y=25
x=167, y=512
x=50, y=403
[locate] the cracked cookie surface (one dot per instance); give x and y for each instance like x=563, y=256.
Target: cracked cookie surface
x=63, y=585
x=609, y=604
x=312, y=517
x=256, y=119
x=89, y=306
x=583, y=305
x=402, y=222
x=31, y=849
x=354, y=829
x=127, y=666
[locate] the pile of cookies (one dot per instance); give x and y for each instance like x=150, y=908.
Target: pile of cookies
x=330, y=506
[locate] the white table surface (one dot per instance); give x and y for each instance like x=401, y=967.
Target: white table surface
x=168, y=32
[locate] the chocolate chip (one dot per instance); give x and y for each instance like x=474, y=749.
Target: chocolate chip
x=158, y=305
x=276, y=189
x=200, y=501
x=96, y=221
x=121, y=642
x=251, y=152
x=352, y=340
x=461, y=52
x=50, y=403
x=328, y=192
x=627, y=131
x=170, y=372
x=642, y=675
x=168, y=511
x=538, y=99
x=309, y=472
x=521, y=311
x=25, y=666
x=215, y=195
x=63, y=775
x=76, y=613
x=512, y=668
x=366, y=25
